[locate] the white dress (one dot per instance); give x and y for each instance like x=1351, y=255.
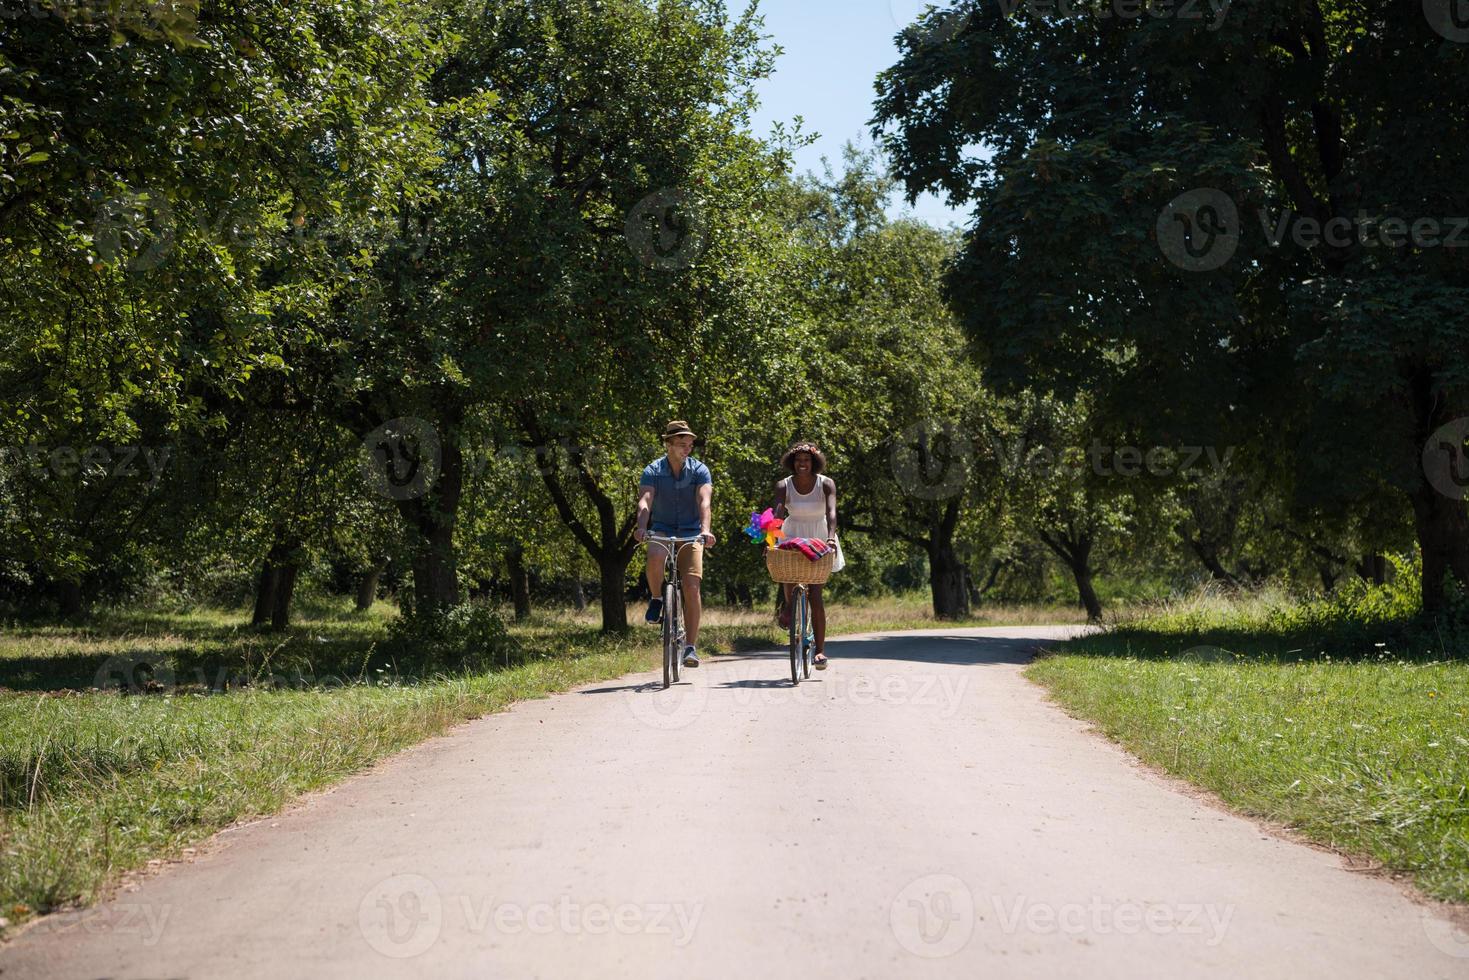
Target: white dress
x=806, y=516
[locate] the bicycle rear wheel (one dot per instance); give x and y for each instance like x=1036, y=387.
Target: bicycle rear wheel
x=670, y=634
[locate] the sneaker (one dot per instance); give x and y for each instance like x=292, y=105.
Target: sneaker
x=690, y=656
x=654, y=614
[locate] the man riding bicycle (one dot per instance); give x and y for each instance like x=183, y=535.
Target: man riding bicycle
x=675, y=495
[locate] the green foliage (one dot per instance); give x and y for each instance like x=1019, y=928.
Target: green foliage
x=1073, y=137
x=468, y=637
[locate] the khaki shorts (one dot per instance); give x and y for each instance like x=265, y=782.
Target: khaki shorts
x=690, y=557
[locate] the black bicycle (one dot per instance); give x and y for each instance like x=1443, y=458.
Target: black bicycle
x=673, y=630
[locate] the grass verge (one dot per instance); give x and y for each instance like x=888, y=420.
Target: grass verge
x=1365, y=750
x=95, y=783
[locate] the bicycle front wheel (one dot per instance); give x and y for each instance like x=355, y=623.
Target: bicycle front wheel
x=670, y=635
x=798, y=632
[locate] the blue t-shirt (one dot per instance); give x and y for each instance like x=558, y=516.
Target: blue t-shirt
x=676, y=499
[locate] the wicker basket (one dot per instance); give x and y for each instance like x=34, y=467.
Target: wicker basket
x=793, y=568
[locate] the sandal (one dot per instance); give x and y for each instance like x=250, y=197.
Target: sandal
x=820, y=661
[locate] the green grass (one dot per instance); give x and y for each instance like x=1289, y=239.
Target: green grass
x=94, y=783
x=234, y=722
x=1355, y=734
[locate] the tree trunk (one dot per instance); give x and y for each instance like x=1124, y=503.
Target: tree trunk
x=265, y=586
x=1439, y=512
x=945, y=570
x=1328, y=576
x=276, y=585
x=613, y=565
x=519, y=581
x=1209, y=558
x=946, y=580
x=578, y=594
x=745, y=596
x=1443, y=536
x=367, y=586
x=280, y=613
x=1374, y=569
x=1075, y=549
x=1083, y=575
x=431, y=519
x=69, y=598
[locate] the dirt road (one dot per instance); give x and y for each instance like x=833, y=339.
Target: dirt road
x=918, y=810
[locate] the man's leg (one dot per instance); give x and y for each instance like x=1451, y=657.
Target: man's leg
x=655, y=570
x=693, y=606
x=691, y=574
x=656, y=557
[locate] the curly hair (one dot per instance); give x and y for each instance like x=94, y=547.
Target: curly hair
x=818, y=458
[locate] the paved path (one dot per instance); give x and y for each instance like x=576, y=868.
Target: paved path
x=919, y=810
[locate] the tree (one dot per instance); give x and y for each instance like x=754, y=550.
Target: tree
x=1193, y=326
x=160, y=165
x=614, y=267
x=902, y=404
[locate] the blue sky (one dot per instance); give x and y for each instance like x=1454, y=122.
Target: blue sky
x=834, y=50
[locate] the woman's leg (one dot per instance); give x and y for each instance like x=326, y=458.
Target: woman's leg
x=818, y=618
x=785, y=610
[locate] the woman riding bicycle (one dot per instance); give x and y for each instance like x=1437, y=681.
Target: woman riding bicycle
x=807, y=499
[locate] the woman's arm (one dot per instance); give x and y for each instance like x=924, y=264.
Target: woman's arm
x=831, y=508
x=780, y=499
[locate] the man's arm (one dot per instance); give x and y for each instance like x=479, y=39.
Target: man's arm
x=706, y=513
x=645, y=510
